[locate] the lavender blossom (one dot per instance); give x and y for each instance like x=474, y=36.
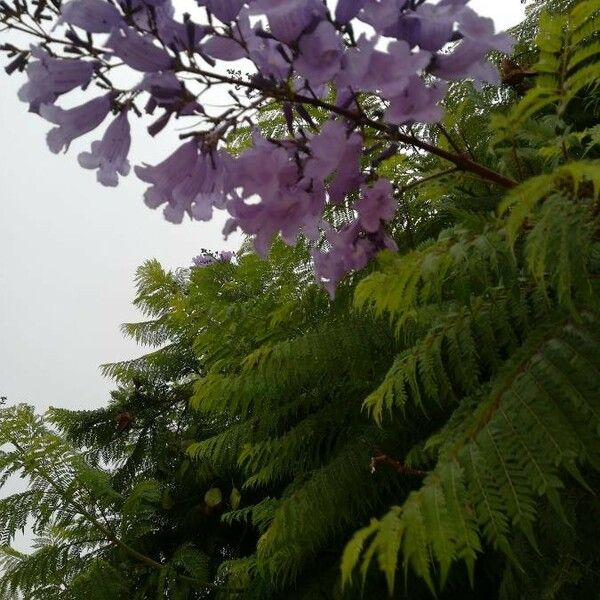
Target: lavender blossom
x=168, y=92
x=290, y=212
x=138, y=51
x=109, y=155
x=74, y=122
x=376, y=204
x=320, y=54
x=93, y=16
x=469, y=58
x=206, y=259
x=188, y=182
x=333, y=150
x=418, y=102
x=350, y=249
x=225, y=10
x=50, y=77
x=346, y=10
x=288, y=204
x=203, y=260
x=201, y=190
x=289, y=18
x=224, y=48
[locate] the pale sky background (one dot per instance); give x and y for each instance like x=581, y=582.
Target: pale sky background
x=69, y=249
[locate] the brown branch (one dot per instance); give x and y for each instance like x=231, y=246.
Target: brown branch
x=462, y=162
x=381, y=458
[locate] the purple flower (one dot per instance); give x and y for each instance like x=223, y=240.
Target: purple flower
x=203, y=260
x=294, y=210
x=271, y=58
x=264, y=169
x=356, y=64
x=201, y=190
x=468, y=59
x=376, y=204
x=346, y=10
x=165, y=176
x=224, y=48
x=206, y=259
x=350, y=249
x=50, y=77
x=286, y=204
x=168, y=92
x=188, y=182
x=388, y=72
x=138, y=51
x=74, y=122
x=289, y=18
x=109, y=155
x=94, y=16
x=225, y=10
x=320, y=54
x=333, y=150
x=398, y=66
x=382, y=14
x=431, y=27
x=418, y=102
x=177, y=35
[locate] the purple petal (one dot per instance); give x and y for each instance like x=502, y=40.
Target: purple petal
x=138, y=52
x=223, y=48
x=94, y=16
x=109, y=155
x=346, y=10
x=74, y=122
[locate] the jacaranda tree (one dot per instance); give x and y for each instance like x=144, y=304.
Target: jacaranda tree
x=431, y=425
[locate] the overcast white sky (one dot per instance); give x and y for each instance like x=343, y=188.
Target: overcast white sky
x=69, y=249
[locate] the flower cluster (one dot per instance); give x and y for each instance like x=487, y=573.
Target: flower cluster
x=305, y=60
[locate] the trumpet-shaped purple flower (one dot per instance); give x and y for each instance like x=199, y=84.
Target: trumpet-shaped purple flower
x=468, y=59
x=109, y=155
x=286, y=203
x=168, y=92
x=350, y=249
x=320, y=54
x=376, y=204
x=74, y=122
x=201, y=190
x=138, y=51
x=397, y=66
x=178, y=35
x=224, y=48
x=165, y=176
x=50, y=77
x=263, y=169
x=188, y=182
x=333, y=150
x=382, y=14
x=386, y=71
x=346, y=10
x=206, y=259
x=225, y=10
x=293, y=210
x=288, y=19
x=418, y=102
x=271, y=58
x=94, y=16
